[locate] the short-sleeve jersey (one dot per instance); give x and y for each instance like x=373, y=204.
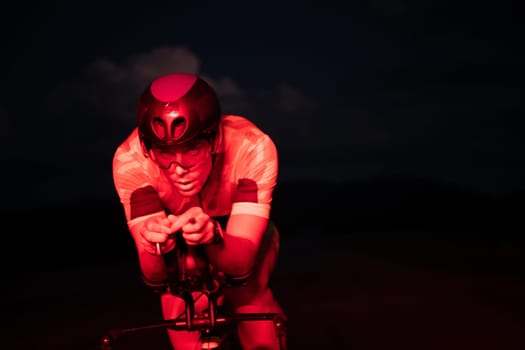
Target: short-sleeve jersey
x=241, y=181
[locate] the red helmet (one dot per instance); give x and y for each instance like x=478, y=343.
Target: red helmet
x=177, y=108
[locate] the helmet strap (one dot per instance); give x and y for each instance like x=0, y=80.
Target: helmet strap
x=216, y=140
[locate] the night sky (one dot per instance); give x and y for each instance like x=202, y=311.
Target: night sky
x=428, y=89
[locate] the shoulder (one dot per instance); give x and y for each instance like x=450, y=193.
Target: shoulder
x=129, y=158
x=247, y=151
x=241, y=133
x=128, y=150
x=238, y=124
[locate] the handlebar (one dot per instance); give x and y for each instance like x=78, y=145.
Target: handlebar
x=197, y=323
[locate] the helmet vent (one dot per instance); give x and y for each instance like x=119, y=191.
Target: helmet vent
x=178, y=127
x=169, y=128
x=159, y=128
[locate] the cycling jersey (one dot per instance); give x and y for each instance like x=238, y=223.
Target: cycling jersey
x=242, y=180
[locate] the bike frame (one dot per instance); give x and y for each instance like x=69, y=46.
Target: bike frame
x=183, y=285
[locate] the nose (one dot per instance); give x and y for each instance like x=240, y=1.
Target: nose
x=179, y=169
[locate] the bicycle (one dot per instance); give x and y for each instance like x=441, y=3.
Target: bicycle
x=216, y=326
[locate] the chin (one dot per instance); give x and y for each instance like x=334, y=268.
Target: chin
x=189, y=193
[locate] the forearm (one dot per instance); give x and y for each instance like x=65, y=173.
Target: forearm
x=153, y=267
x=234, y=255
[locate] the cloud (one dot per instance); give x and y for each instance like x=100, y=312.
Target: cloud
x=111, y=88
x=82, y=121
x=103, y=98
x=72, y=135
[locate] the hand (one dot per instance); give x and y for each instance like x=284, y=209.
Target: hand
x=197, y=227
x=155, y=235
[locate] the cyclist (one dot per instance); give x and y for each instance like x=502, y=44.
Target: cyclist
x=187, y=168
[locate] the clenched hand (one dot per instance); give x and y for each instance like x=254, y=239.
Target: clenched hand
x=196, y=226
x=156, y=235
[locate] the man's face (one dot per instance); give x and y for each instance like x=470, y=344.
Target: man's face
x=187, y=166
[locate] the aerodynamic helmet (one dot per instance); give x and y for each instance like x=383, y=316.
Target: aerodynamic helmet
x=177, y=108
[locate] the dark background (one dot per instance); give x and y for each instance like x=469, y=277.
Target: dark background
x=399, y=127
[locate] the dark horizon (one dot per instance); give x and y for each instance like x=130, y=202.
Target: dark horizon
x=403, y=208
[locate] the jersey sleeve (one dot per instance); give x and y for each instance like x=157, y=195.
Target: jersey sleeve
x=257, y=179
x=134, y=185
